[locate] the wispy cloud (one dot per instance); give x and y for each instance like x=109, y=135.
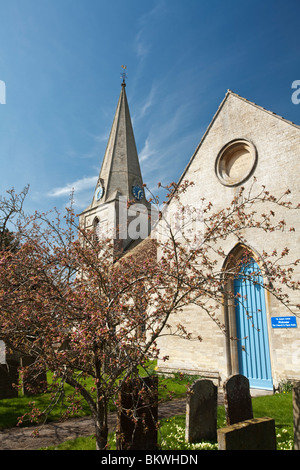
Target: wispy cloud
x=77, y=186
x=142, y=42
x=153, y=13
x=165, y=129
x=169, y=145
x=101, y=137
x=149, y=101
x=142, y=46
x=147, y=151
x=143, y=107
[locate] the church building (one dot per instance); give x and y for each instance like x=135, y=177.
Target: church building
x=242, y=142
x=120, y=180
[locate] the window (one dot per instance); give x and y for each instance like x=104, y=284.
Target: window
x=96, y=227
x=236, y=162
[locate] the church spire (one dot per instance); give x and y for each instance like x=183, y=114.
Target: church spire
x=119, y=181
x=120, y=171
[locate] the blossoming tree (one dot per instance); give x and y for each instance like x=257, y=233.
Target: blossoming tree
x=79, y=315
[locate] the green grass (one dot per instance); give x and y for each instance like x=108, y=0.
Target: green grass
x=172, y=430
x=81, y=443
x=12, y=408
x=280, y=408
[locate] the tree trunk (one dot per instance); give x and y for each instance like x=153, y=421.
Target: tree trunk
x=101, y=435
x=101, y=422
x=99, y=413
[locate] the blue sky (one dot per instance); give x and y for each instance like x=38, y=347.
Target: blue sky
x=60, y=61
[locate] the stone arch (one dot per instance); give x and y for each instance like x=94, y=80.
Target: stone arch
x=96, y=228
x=236, y=262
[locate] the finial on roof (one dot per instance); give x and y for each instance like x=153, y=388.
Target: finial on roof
x=124, y=75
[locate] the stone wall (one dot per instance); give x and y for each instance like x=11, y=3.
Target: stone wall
x=277, y=143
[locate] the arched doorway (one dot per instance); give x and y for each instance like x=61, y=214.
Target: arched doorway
x=251, y=325
x=249, y=352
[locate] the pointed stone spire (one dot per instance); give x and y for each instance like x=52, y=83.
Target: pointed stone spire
x=120, y=170
x=119, y=181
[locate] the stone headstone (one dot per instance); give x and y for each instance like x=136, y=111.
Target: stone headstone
x=252, y=434
x=296, y=415
x=138, y=414
x=201, y=411
x=2, y=352
x=237, y=399
x=8, y=378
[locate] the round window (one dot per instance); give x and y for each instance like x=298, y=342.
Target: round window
x=236, y=162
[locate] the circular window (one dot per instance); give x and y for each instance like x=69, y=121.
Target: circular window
x=236, y=162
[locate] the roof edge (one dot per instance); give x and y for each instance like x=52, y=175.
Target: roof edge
x=204, y=135
x=230, y=92
x=264, y=109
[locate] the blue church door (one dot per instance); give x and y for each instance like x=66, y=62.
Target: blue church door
x=251, y=323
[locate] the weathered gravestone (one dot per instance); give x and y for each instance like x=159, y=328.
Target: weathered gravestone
x=237, y=399
x=2, y=352
x=251, y=434
x=138, y=414
x=296, y=415
x=9, y=377
x=201, y=411
x=9, y=373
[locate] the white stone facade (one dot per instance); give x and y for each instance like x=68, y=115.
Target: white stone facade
x=276, y=165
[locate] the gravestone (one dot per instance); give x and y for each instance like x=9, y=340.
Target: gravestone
x=9, y=374
x=138, y=414
x=9, y=377
x=201, y=411
x=296, y=415
x=237, y=399
x=2, y=352
x=252, y=434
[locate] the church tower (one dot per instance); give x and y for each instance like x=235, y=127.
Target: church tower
x=119, y=183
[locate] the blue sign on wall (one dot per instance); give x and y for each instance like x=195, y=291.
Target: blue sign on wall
x=283, y=322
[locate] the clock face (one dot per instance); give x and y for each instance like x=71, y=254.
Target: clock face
x=137, y=192
x=99, y=192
